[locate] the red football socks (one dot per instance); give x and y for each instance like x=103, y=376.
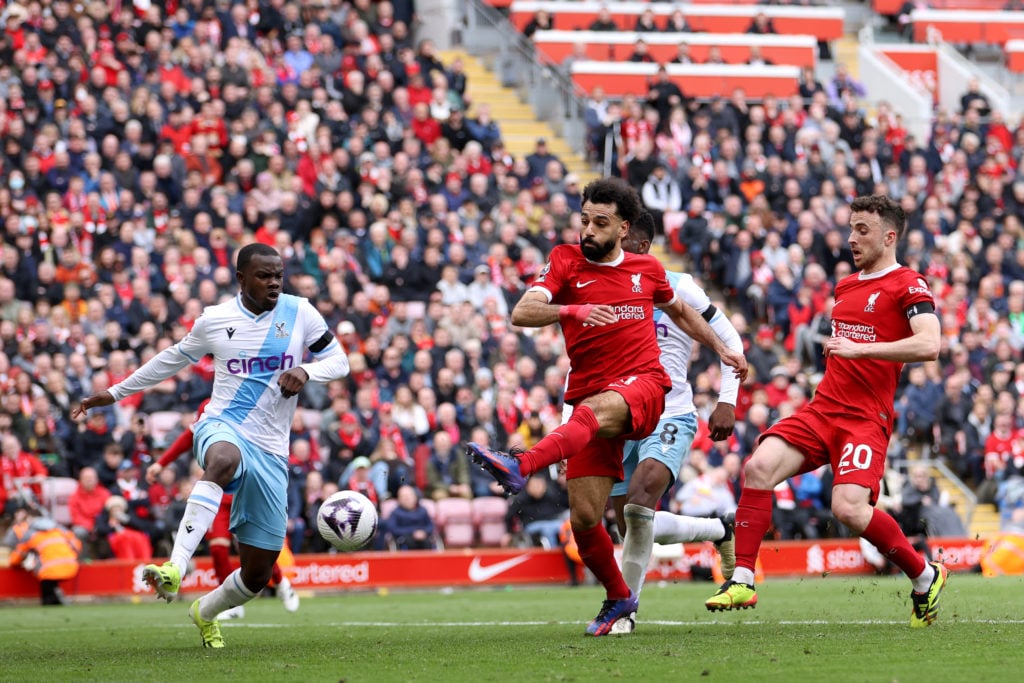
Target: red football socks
x=275, y=574
x=221, y=556
x=563, y=442
x=753, y=517
x=884, y=533
x=598, y=553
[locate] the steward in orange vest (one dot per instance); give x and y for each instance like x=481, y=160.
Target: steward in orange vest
x=51, y=552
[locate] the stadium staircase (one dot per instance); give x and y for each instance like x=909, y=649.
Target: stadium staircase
x=519, y=126
x=981, y=519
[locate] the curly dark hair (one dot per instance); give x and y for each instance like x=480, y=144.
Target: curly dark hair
x=643, y=227
x=887, y=209
x=614, y=191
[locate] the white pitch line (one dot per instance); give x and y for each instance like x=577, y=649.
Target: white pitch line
x=233, y=624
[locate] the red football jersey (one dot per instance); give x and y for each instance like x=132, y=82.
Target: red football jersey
x=632, y=285
x=870, y=308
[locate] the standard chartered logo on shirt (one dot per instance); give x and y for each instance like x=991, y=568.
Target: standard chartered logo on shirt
x=627, y=312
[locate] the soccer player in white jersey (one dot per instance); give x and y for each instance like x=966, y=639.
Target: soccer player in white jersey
x=651, y=465
x=257, y=340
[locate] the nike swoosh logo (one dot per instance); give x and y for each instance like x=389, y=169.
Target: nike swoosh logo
x=479, y=574
x=584, y=284
x=843, y=473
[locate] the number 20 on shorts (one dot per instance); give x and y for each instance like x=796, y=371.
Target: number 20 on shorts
x=855, y=457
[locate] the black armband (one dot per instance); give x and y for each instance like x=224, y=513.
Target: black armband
x=920, y=307
x=321, y=343
x=709, y=312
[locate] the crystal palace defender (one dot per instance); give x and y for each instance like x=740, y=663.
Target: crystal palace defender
x=884, y=316
x=257, y=340
x=604, y=299
x=652, y=464
x=219, y=536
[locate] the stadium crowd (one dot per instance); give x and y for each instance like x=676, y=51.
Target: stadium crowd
x=142, y=145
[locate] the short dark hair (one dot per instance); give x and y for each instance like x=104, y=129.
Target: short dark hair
x=643, y=227
x=614, y=191
x=887, y=209
x=249, y=251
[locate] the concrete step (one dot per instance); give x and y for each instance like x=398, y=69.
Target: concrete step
x=985, y=521
x=519, y=125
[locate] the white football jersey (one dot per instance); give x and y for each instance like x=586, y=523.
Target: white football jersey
x=250, y=352
x=677, y=346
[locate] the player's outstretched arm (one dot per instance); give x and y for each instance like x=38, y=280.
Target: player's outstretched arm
x=691, y=322
x=99, y=400
x=920, y=346
x=533, y=310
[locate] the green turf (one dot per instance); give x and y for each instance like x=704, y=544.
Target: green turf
x=832, y=629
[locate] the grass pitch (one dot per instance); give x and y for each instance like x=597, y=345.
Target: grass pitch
x=829, y=629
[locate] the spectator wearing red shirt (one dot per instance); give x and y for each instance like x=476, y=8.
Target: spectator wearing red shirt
x=18, y=469
x=427, y=129
x=85, y=503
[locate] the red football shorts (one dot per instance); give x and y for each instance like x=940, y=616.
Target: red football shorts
x=221, y=527
x=853, y=446
x=645, y=397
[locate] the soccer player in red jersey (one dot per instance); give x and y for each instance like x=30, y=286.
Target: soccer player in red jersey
x=604, y=299
x=884, y=316
x=219, y=536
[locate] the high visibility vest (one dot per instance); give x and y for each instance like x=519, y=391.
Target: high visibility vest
x=1003, y=555
x=57, y=549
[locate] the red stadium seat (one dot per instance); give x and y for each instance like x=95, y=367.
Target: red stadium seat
x=696, y=80
x=455, y=517
x=969, y=26
x=824, y=23
x=56, y=492
x=489, y=517
x=387, y=507
x=734, y=47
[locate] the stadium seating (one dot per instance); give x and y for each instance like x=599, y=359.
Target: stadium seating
x=696, y=80
x=734, y=47
x=489, y=518
x=1015, y=55
x=969, y=26
x=388, y=506
x=892, y=7
x=455, y=518
x=824, y=23
x=162, y=423
x=56, y=492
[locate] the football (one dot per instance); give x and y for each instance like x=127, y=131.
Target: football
x=347, y=520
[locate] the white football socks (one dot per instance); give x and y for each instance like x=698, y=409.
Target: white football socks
x=743, y=575
x=924, y=581
x=231, y=593
x=670, y=528
x=636, y=546
x=202, y=506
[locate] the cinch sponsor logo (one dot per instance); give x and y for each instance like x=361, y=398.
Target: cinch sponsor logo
x=247, y=366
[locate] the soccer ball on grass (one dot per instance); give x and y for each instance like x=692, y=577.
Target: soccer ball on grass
x=347, y=520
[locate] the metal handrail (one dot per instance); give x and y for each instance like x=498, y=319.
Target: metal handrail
x=552, y=94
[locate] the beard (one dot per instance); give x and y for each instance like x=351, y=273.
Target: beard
x=595, y=251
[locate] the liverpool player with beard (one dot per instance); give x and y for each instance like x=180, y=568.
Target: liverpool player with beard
x=884, y=316
x=604, y=299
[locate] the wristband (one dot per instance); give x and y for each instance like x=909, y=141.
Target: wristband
x=577, y=312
